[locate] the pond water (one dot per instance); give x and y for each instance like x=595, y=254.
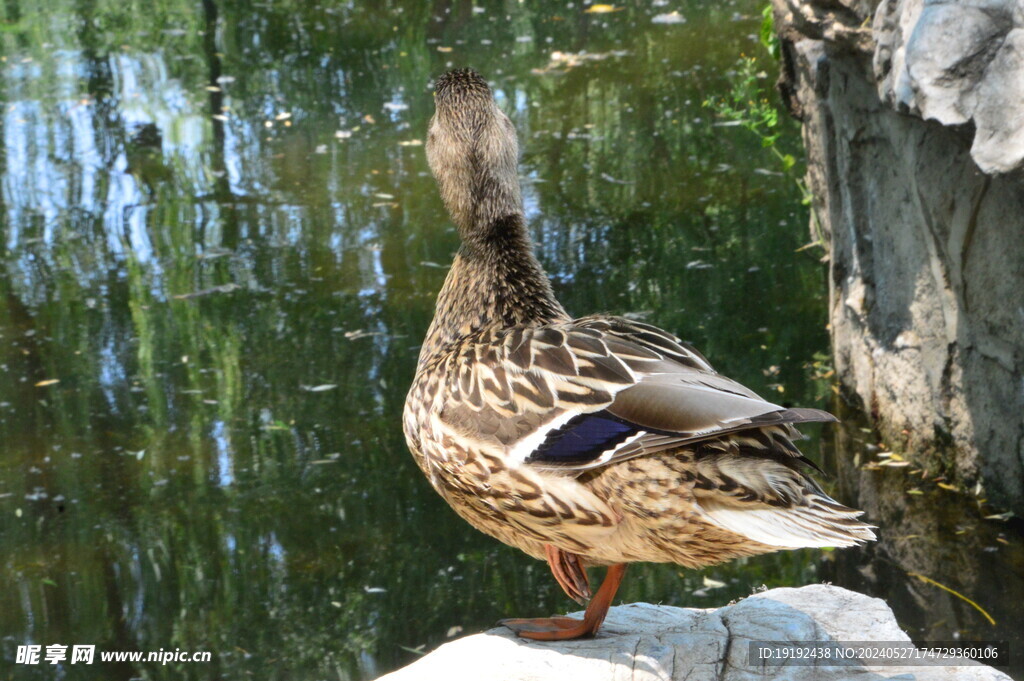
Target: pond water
x=220, y=249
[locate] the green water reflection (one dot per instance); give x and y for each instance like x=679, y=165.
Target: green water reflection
x=221, y=246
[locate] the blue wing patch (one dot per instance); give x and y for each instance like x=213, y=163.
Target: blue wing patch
x=583, y=438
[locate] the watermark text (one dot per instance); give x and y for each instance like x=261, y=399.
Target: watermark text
x=57, y=653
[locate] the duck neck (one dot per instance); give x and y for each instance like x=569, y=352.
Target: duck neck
x=495, y=282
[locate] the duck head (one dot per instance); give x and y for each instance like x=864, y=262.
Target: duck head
x=473, y=153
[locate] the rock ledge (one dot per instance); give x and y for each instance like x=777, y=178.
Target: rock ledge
x=643, y=642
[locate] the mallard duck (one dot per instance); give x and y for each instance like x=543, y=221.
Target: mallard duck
x=597, y=441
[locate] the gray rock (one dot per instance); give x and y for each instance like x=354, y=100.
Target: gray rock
x=643, y=642
x=957, y=62
x=911, y=128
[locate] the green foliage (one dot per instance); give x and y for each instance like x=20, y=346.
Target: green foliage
x=751, y=104
x=748, y=103
x=767, y=35
x=822, y=375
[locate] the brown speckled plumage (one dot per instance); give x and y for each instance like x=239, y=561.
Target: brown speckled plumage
x=598, y=440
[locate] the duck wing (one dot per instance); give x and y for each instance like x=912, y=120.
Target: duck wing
x=578, y=395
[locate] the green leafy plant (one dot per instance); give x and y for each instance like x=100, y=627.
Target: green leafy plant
x=767, y=33
x=749, y=103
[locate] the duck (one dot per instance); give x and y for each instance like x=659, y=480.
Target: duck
x=585, y=442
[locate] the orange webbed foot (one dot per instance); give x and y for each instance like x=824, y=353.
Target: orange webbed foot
x=567, y=628
x=550, y=628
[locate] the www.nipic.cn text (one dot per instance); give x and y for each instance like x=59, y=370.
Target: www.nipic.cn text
x=58, y=653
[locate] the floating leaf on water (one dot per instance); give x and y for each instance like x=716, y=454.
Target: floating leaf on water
x=384, y=196
x=602, y=9
x=712, y=583
x=410, y=143
x=360, y=333
x=319, y=388
x=669, y=18
x=444, y=49
x=395, y=106
x=283, y=116
x=453, y=631
x=375, y=589
x=343, y=134
x=139, y=454
x=212, y=253
x=369, y=119
x=563, y=61
x=224, y=288
x=49, y=381
x=608, y=178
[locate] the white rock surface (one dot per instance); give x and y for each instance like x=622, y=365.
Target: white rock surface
x=644, y=642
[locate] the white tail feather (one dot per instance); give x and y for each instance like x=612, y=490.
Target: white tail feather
x=791, y=527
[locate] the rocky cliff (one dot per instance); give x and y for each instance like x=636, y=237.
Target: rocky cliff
x=913, y=120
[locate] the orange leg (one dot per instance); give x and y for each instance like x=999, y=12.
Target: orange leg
x=564, y=628
x=569, y=572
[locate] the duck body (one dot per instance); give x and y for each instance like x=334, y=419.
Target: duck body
x=591, y=441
